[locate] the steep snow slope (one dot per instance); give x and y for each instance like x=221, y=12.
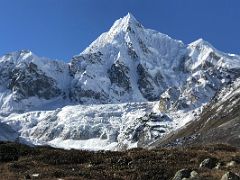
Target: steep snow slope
x=209, y=71
x=203, y=53
x=124, y=73
x=128, y=63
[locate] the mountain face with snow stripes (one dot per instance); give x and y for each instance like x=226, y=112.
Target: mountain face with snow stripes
x=129, y=88
x=219, y=122
x=128, y=63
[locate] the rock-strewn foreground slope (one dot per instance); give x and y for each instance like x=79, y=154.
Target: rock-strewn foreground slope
x=131, y=87
x=22, y=162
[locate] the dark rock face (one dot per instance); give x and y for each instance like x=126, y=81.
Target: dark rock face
x=30, y=81
x=147, y=85
x=84, y=133
x=77, y=93
x=143, y=46
x=131, y=52
x=77, y=64
x=118, y=75
x=5, y=74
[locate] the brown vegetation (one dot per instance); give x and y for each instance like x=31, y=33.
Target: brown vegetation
x=49, y=163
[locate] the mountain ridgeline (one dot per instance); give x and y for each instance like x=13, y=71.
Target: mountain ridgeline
x=131, y=87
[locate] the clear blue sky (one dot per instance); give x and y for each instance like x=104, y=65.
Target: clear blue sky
x=60, y=29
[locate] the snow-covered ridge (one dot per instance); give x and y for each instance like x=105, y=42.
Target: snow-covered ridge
x=28, y=81
x=202, y=51
x=131, y=86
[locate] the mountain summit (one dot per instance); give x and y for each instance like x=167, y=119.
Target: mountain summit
x=125, y=23
x=128, y=63
x=130, y=87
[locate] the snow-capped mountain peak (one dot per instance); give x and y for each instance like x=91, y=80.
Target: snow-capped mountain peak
x=128, y=63
x=127, y=23
x=17, y=56
x=200, y=42
x=124, y=73
x=122, y=31
x=202, y=53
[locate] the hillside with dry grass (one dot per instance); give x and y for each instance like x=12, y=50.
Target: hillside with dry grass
x=23, y=162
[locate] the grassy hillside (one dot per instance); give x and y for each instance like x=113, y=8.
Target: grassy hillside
x=20, y=161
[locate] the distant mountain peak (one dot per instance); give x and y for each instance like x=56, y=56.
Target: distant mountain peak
x=130, y=18
x=17, y=56
x=201, y=43
x=22, y=53
x=126, y=23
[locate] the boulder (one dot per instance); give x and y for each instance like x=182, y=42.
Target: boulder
x=209, y=163
x=183, y=173
x=231, y=164
x=186, y=174
x=230, y=176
